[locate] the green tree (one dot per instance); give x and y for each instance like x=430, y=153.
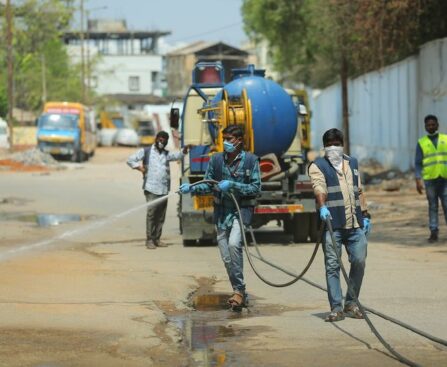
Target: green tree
x=310, y=39
x=41, y=62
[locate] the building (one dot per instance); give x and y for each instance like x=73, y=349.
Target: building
x=180, y=63
x=123, y=64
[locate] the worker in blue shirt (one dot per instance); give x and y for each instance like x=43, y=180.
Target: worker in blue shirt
x=237, y=172
x=431, y=168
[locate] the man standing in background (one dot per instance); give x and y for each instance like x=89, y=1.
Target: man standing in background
x=153, y=163
x=431, y=167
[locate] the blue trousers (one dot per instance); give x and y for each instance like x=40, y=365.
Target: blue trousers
x=356, y=245
x=436, y=190
x=230, y=245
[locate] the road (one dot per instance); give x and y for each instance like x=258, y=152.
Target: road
x=76, y=297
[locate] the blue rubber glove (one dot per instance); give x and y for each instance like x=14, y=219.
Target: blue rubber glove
x=325, y=213
x=186, y=188
x=367, y=226
x=225, y=185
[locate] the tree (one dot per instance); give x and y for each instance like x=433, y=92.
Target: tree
x=320, y=41
x=41, y=62
x=307, y=37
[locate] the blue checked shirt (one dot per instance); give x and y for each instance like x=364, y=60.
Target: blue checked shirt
x=158, y=173
x=235, y=173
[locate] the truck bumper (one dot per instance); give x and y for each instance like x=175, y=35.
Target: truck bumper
x=57, y=148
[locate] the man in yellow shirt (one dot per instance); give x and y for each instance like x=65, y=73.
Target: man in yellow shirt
x=431, y=170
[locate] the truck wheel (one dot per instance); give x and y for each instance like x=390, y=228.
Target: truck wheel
x=301, y=223
x=288, y=226
x=76, y=156
x=187, y=243
x=313, y=228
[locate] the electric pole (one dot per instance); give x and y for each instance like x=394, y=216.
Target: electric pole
x=10, y=92
x=44, y=78
x=345, y=104
x=81, y=36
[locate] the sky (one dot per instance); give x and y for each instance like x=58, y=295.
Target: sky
x=187, y=20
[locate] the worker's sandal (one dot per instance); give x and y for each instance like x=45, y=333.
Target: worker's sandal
x=237, y=301
x=335, y=316
x=353, y=311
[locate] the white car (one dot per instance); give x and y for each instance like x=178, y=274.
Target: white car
x=4, y=134
x=127, y=137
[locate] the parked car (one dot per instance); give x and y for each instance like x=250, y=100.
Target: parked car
x=4, y=134
x=127, y=137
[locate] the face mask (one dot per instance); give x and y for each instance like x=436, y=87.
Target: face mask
x=433, y=134
x=160, y=145
x=335, y=156
x=229, y=147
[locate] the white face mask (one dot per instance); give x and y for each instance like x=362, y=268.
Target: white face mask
x=335, y=156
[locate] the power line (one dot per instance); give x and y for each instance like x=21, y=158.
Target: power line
x=208, y=32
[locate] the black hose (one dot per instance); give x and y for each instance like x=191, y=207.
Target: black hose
x=250, y=260
x=369, y=309
x=396, y=354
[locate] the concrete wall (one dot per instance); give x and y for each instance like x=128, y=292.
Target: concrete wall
x=110, y=73
x=113, y=74
x=387, y=107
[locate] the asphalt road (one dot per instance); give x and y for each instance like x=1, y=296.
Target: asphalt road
x=76, y=297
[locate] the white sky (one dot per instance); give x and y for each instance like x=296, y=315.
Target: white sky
x=188, y=20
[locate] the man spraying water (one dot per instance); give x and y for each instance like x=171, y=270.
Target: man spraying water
x=237, y=172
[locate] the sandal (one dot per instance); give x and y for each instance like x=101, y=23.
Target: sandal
x=335, y=316
x=353, y=311
x=236, y=301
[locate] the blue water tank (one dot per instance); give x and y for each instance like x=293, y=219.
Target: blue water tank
x=274, y=113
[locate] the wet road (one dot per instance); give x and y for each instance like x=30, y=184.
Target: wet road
x=102, y=299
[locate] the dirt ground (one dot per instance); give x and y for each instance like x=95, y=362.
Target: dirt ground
x=88, y=293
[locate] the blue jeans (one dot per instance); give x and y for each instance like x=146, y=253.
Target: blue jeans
x=230, y=245
x=436, y=190
x=356, y=245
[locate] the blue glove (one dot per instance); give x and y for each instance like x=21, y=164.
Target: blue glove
x=225, y=185
x=325, y=213
x=186, y=188
x=367, y=226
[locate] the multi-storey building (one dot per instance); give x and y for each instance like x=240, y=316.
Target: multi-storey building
x=118, y=62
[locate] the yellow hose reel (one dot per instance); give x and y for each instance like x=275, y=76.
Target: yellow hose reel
x=234, y=111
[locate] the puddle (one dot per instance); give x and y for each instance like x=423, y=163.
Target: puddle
x=210, y=302
x=207, y=331
x=14, y=201
x=212, y=333
x=43, y=220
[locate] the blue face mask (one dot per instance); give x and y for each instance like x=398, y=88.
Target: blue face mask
x=229, y=147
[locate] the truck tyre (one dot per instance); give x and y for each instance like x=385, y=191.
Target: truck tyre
x=313, y=228
x=301, y=223
x=288, y=225
x=76, y=156
x=187, y=243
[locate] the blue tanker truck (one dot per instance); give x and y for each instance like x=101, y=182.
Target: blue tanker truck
x=272, y=119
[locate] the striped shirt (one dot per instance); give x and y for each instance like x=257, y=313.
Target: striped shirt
x=158, y=174
x=233, y=172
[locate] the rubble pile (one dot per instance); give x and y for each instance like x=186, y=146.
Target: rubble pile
x=34, y=157
x=373, y=173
